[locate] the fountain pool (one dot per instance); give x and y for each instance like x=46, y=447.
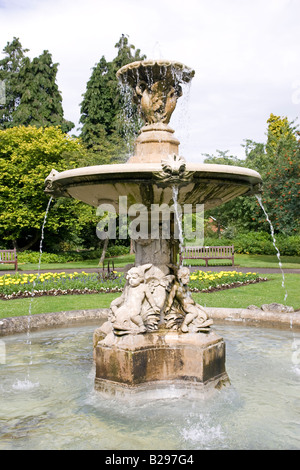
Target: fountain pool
x=47, y=398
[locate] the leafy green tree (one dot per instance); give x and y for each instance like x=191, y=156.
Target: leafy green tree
x=256, y=156
x=10, y=68
x=278, y=162
x=27, y=155
x=282, y=176
x=223, y=159
x=102, y=107
x=235, y=215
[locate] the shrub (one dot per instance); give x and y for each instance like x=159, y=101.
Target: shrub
x=260, y=243
x=66, y=257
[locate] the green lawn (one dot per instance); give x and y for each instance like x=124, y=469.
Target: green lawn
x=254, y=261
x=247, y=261
x=255, y=294
x=119, y=261
x=18, y=307
x=241, y=297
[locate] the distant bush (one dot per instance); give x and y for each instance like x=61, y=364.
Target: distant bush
x=116, y=250
x=252, y=243
x=260, y=243
x=66, y=257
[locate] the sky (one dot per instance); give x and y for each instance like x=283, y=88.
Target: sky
x=245, y=53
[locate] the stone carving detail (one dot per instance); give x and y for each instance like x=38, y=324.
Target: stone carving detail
x=153, y=298
x=156, y=86
x=173, y=165
x=139, y=309
x=58, y=190
x=182, y=312
x=173, y=170
x=156, y=101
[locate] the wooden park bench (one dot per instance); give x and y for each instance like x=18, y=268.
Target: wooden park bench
x=207, y=252
x=9, y=257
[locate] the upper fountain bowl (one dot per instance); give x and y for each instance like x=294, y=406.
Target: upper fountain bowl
x=155, y=167
x=156, y=85
x=170, y=71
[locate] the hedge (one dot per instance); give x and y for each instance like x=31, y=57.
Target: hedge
x=254, y=243
x=260, y=243
x=66, y=257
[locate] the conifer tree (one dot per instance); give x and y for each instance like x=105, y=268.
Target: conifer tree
x=102, y=107
x=10, y=68
x=40, y=99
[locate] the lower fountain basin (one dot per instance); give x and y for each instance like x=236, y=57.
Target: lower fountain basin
x=149, y=183
x=48, y=400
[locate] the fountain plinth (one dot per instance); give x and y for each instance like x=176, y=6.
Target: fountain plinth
x=156, y=334
x=153, y=362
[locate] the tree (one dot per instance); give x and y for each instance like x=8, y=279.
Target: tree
x=10, y=68
x=40, y=100
x=282, y=176
x=223, y=159
x=102, y=107
x=238, y=212
x=27, y=155
x=98, y=107
x=278, y=162
x=32, y=95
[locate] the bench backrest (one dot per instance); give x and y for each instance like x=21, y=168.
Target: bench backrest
x=208, y=251
x=8, y=255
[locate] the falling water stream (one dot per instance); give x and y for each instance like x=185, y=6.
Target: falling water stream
x=258, y=197
x=27, y=383
x=178, y=218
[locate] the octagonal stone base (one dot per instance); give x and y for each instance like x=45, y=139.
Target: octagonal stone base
x=161, y=360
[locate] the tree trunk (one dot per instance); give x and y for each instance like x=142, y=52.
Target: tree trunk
x=105, y=245
x=28, y=245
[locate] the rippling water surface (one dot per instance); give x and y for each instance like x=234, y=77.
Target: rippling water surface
x=47, y=398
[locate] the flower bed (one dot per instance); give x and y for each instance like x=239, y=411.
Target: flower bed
x=33, y=285
x=209, y=281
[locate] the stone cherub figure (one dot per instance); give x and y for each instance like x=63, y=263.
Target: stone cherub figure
x=126, y=311
x=140, y=307
x=157, y=100
x=182, y=311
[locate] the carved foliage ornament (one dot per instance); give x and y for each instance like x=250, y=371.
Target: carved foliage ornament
x=174, y=170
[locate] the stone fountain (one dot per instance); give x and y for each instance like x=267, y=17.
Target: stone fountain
x=156, y=334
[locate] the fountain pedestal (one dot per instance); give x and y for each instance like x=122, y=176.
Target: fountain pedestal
x=160, y=359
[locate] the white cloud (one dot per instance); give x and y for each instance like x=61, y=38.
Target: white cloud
x=245, y=54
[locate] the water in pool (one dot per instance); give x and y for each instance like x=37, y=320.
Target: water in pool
x=47, y=398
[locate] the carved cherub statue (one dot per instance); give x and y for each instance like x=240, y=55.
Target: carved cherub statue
x=157, y=100
x=126, y=311
x=181, y=308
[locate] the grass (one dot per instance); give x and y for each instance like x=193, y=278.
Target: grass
x=119, y=261
x=255, y=294
x=240, y=297
x=20, y=307
x=247, y=261
x=254, y=261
